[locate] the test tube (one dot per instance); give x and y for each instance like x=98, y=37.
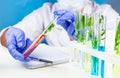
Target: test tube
x=78, y=37
x=102, y=33
x=116, y=68
x=77, y=27
x=94, y=60
x=83, y=27
x=31, y=48
x=33, y=45
x=88, y=37
x=102, y=40
x=117, y=38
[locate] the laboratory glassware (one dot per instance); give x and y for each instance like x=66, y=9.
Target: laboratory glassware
x=31, y=48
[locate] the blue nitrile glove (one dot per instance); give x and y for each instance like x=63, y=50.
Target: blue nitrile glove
x=17, y=44
x=67, y=20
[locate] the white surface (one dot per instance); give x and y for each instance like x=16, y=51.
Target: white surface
x=10, y=68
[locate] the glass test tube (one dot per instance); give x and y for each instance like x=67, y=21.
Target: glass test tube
x=31, y=48
x=116, y=68
x=88, y=37
x=102, y=33
x=102, y=40
x=94, y=60
x=77, y=27
x=80, y=24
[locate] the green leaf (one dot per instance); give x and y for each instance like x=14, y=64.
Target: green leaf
x=103, y=32
x=49, y=28
x=83, y=20
x=81, y=38
x=118, y=29
x=78, y=36
x=117, y=39
x=103, y=39
x=95, y=43
x=77, y=28
x=78, y=20
x=101, y=19
x=90, y=21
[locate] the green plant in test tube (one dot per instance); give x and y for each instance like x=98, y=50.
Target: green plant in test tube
x=94, y=60
x=88, y=37
x=82, y=39
x=90, y=21
x=116, y=68
x=79, y=36
x=77, y=28
x=117, y=39
x=90, y=25
x=95, y=32
x=49, y=28
x=102, y=33
x=82, y=28
x=83, y=21
x=101, y=46
x=80, y=33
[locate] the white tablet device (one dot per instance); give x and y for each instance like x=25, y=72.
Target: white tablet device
x=45, y=55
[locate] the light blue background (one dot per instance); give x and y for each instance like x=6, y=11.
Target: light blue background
x=12, y=11
x=100, y=1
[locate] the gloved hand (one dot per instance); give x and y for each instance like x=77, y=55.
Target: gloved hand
x=67, y=20
x=17, y=44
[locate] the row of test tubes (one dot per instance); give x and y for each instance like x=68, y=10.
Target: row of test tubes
x=91, y=31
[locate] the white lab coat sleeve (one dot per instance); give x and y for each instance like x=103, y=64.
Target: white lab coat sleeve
x=110, y=14
x=32, y=24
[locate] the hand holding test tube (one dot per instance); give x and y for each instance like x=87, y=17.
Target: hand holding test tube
x=39, y=38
